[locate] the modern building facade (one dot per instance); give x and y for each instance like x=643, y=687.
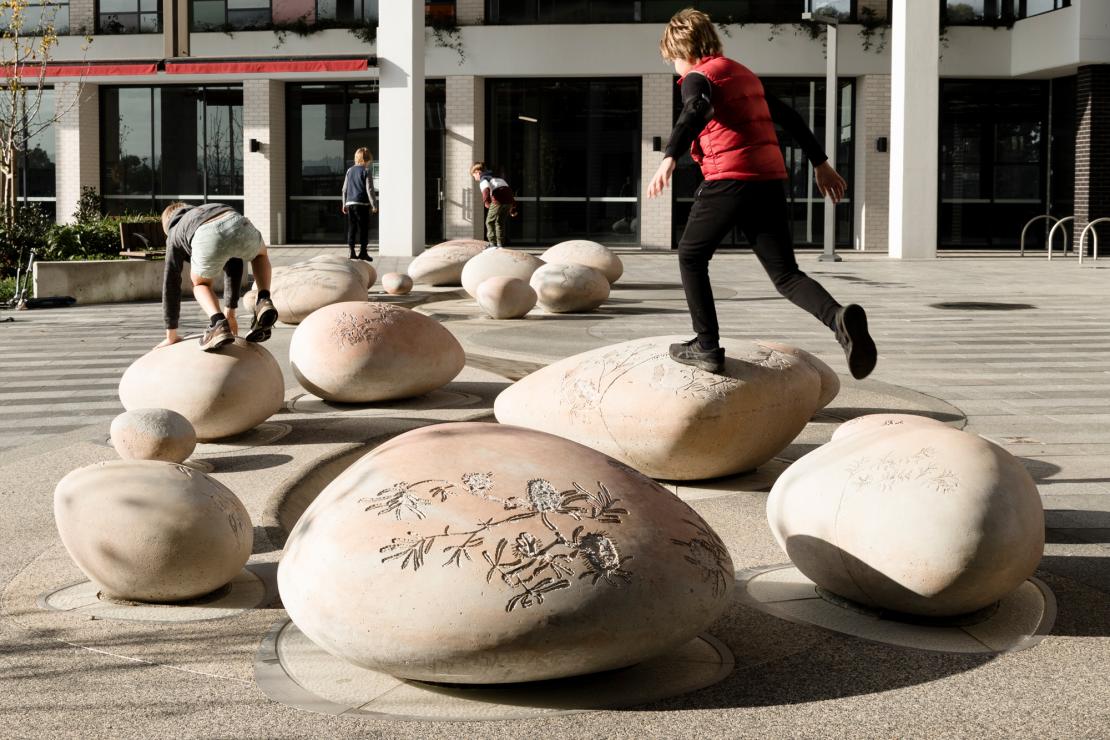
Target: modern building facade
x=956, y=124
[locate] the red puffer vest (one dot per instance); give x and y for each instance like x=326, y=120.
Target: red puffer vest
x=739, y=143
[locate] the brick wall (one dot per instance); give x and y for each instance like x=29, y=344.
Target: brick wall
x=77, y=144
x=1092, y=148
x=264, y=170
x=466, y=107
x=82, y=16
x=470, y=12
x=872, y=170
x=657, y=118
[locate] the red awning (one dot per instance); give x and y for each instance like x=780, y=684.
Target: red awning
x=90, y=70
x=264, y=66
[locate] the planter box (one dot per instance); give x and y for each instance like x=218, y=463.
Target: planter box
x=109, y=281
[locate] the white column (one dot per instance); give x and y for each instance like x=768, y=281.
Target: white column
x=465, y=145
x=77, y=143
x=401, y=127
x=872, y=167
x=657, y=119
x=914, y=123
x=264, y=170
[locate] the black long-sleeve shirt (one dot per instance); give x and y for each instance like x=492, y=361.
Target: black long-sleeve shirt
x=697, y=111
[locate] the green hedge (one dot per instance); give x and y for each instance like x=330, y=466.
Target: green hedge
x=88, y=240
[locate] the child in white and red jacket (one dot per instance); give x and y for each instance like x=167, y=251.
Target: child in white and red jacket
x=499, y=201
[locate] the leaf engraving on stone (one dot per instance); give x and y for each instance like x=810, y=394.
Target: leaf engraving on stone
x=350, y=330
x=529, y=565
x=890, y=470
x=706, y=552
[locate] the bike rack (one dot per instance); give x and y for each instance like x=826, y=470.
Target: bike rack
x=1052, y=233
x=1030, y=223
x=1090, y=227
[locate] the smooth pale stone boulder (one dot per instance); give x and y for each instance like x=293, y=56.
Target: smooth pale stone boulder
x=506, y=297
x=300, y=289
x=914, y=518
x=443, y=263
x=569, y=288
x=221, y=393
x=145, y=530
x=365, y=271
x=830, y=383
x=588, y=253
x=362, y=352
x=667, y=420
x=396, y=283
x=891, y=422
x=153, y=434
x=482, y=553
x=498, y=262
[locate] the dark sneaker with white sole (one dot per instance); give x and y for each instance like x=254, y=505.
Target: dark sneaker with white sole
x=859, y=348
x=265, y=316
x=216, y=336
x=691, y=353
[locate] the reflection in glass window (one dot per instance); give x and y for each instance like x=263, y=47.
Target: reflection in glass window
x=654, y=11
x=129, y=16
x=34, y=147
x=347, y=10
x=214, y=15
x=40, y=14
x=163, y=144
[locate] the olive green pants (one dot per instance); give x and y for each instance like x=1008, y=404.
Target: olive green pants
x=496, y=224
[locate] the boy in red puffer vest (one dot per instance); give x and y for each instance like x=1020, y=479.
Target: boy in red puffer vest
x=728, y=122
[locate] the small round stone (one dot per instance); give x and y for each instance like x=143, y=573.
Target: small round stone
x=569, y=288
x=153, y=434
x=152, y=531
x=588, y=253
x=506, y=297
x=396, y=283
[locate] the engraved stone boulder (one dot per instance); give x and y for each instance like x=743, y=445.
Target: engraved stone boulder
x=362, y=352
x=153, y=434
x=498, y=262
x=588, y=253
x=443, y=263
x=672, y=421
x=890, y=422
x=569, y=288
x=365, y=271
x=300, y=289
x=506, y=297
x=221, y=393
x=396, y=283
x=830, y=383
x=480, y=553
x=145, y=530
x=917, y=518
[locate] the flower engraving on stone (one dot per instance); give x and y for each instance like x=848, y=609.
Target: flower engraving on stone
x=349, y=330
x=583, y=388
x=530, y=565
x=769, y=358
x=706, y=552
x=891, y=470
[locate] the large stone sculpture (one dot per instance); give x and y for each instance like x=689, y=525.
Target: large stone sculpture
x=365, y=271
x=590, y=254
x=481, y=553
x=915, y=518
x=362, y=352
x=830, y=383
x=221, y=393
x=891, y=422
x=396, y=283
x=443, y=263
x=152, y=531
x=503, y=262
x=300, y=289
x=153, y=434
x=569, y=288
x=506, y=297
x=668, y=420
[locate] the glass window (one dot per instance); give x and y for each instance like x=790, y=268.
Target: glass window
x=34, y=146
x=41, y=14
x=654, y=11
x=347, y=10
x=129, y=16
x=1027, y=8
x=211, y=15
x=199, y=158
x=979, y=12
x=570, y=149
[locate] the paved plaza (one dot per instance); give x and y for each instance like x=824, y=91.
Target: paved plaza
x=1014, y=349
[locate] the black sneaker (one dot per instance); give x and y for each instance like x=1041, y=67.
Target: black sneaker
x=691, y=353
x=365, y=257
x=216, y=336
x=265, y=316
x=859, y=348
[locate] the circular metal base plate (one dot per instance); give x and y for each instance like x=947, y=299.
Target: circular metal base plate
x=246, y=591
x=292, y=670
x=1019, y=621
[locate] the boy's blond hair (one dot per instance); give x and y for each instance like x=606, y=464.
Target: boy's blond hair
x=167, y=214
x=477, y=167
x=363, y=156
x=690, y=35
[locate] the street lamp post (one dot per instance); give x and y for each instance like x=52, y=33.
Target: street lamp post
x=831, y=133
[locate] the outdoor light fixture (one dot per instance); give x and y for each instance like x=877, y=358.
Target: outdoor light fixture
x=528, y=119
x=657, y=143
x=256, y=145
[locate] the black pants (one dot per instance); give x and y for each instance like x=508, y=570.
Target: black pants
x=759, y=209
x=358, y=226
